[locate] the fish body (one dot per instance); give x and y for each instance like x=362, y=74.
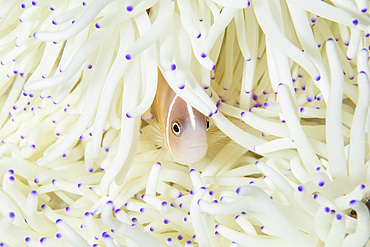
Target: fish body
x=183, y=128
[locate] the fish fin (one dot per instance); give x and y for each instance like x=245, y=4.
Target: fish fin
x=218, y=141
x=152, y=144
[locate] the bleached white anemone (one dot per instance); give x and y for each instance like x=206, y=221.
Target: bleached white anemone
x=286, y=83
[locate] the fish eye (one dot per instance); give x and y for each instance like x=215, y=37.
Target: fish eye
x=207, y=123
x=176, y=127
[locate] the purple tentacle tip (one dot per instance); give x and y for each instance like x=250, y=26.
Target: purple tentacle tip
x=300, y=188
x=203, y=55
x=129, y=8
x=128, y=56
x=254, y=96
x=355, y=22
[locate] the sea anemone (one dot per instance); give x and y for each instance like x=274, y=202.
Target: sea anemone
x=286, y=87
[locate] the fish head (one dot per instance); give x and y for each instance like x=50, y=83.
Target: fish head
x=186, y=132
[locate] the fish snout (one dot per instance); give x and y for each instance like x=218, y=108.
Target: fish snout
x=192, y=153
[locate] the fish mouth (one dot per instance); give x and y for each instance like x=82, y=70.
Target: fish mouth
x=192, y=154
x=198, y=146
